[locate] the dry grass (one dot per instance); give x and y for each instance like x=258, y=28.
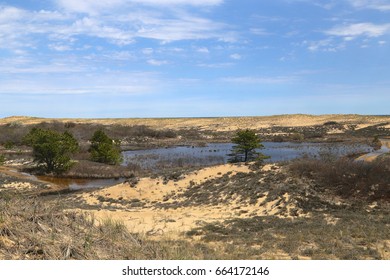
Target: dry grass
x=37, y=229
x=355, y=234
x=346, y=207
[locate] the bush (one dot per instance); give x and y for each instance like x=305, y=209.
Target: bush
x=52, y=150
x=105, y=150
x=331, y=123
x=348, y=178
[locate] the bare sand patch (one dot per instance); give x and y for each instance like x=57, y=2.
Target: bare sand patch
x=173, y=222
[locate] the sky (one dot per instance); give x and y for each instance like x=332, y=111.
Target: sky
x=193, y=58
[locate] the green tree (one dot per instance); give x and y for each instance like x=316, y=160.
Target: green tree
x=104, y=149
x=246, y=144
x=52, y=150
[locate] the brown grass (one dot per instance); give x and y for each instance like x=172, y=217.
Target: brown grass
x=37, y=229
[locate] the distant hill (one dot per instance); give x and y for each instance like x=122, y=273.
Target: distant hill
x=218, y=123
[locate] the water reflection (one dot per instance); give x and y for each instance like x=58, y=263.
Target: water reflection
x=217, y=153
x=78, y=184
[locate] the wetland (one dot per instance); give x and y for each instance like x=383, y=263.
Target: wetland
x=322, y=194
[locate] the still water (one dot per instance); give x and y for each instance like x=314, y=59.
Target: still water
x=218, y=153
x=80, y=184
x=211, y=154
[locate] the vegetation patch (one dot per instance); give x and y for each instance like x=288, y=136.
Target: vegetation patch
x=347, y=178
x=32, y=229
x=355, y=235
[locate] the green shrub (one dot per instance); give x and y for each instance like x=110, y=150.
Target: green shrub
x=104, y=149
x=51, y=149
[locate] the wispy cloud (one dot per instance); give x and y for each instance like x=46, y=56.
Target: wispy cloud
x=354, y=30
x=381, y=5
x=325, y=45
x=235, y=56
x=260, y=80
x=203, y=50
x=216, y=65
x=259, y=31
x=179, y=2
x=94, y=7
x=91, y=18
x=130, y=83
x=156, y=62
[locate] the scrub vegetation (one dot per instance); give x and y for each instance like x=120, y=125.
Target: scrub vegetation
x=320, y=207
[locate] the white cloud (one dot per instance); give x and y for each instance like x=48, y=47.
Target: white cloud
x=183, y=27
x=259, y=31
x=147, y=51
x=203, y=50
x=381, y=5
x=123, y=83
x=94, y=7
x=19, y=27
x=325, y=45
x=259, y=80
x=156, y=62
x=8, y=14
x=179, y=2
x=60, y=48
x=39, y=69
x=360, y=29
x=235, y=56
x=215, y=65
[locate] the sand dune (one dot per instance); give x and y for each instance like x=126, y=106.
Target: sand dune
x=220, y=123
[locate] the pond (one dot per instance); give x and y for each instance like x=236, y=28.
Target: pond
x=80, y=184
x=218, y=153
x=211, y=154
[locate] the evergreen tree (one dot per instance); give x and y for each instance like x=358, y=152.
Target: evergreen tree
x=246, y=144
x=52, y=150
x=104, y=149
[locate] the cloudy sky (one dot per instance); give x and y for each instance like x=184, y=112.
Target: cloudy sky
x=188, y=58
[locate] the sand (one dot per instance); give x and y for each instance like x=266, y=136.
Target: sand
x=154, y=221
x=370, y=157
x=219, y=124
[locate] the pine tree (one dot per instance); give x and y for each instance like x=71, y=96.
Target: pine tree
x=246, y=144
x=52, y=150
x=104, y=149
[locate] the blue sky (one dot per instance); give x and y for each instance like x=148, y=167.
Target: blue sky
x=193, y=58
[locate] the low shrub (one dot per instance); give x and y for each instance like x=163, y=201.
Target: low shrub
x=348, y=178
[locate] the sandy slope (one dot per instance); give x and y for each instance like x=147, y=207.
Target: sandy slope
x=155, y=221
